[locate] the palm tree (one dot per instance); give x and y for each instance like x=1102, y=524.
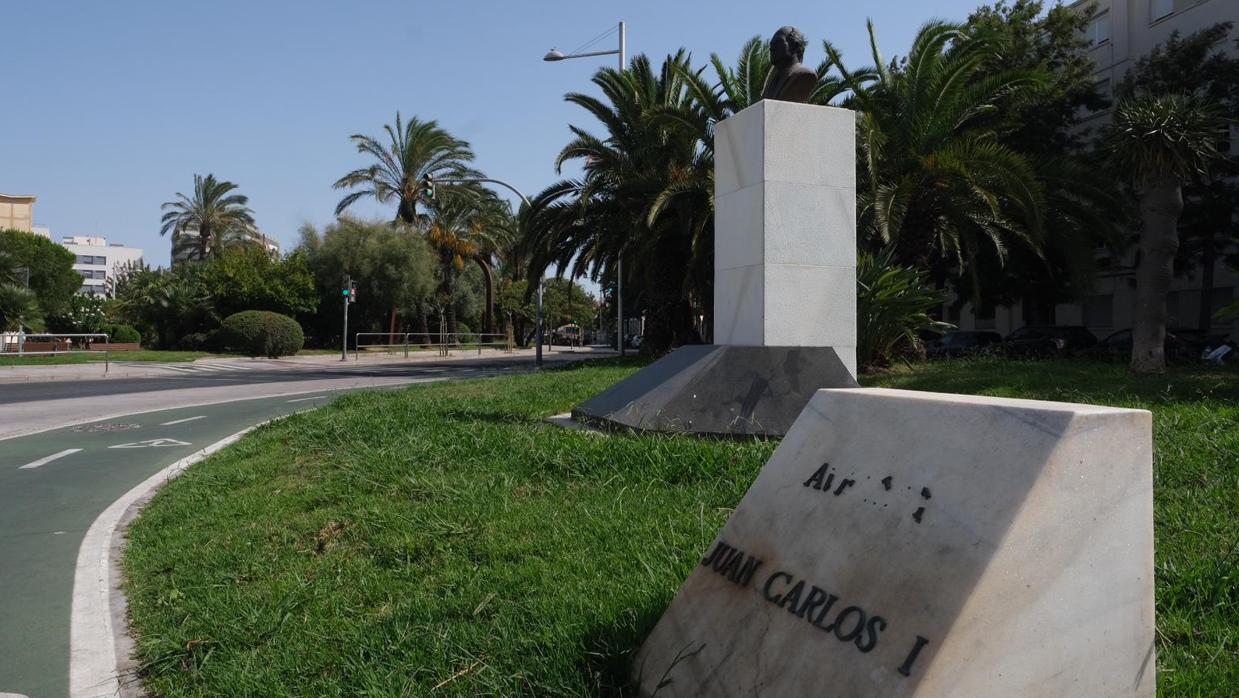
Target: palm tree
x=415, y=150
x=932, y=182
x=1159, y=142
x=19, y=308
x=469, y=223
x=641, y=197
x=213, y=213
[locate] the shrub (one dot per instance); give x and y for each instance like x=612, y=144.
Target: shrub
x=200, y=341
x=123, y=334
x=892, y=306
x=262, y=333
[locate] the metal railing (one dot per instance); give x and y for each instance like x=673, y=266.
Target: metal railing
x=56, y=338
x=445, y=342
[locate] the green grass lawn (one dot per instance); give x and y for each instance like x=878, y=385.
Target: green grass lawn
x=444, y=540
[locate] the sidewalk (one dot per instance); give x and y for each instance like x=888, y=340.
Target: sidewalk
x=119, y=368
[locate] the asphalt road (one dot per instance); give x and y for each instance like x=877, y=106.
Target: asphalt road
x=68, y=389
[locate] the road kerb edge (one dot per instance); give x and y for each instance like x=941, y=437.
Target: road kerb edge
x=95, y=669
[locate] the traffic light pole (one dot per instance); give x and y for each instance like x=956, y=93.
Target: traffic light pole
x=348, y=289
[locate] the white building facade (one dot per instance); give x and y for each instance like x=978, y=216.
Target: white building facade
x=1122, y=32
x=99, y=262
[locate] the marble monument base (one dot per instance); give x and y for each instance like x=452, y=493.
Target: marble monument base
x=720, y=390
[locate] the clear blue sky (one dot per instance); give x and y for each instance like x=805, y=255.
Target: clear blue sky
x=113, y=106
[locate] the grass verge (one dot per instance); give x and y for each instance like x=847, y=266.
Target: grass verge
x=443, y=540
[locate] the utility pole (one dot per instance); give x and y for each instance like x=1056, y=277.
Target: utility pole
x=557, y=55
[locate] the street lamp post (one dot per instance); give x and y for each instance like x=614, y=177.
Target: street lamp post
x=528, y=207
x=556, y=55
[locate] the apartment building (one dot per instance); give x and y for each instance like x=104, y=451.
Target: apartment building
x=99, y=261
x=1122, y=32
x=17, y=213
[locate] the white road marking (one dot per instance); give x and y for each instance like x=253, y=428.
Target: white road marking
x=152, y=443
x=303, y=399
x=48, y=459
x=182, y=421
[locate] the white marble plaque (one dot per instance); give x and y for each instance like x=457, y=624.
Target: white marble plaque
x=903, y=543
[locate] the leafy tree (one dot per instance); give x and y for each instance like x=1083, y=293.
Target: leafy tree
x=168, y=306
x=249, y=278
x=1044, y=123
x=1042, y=119
x=85, y=314
x=213, y=212
x=565, y=302
x=393, y=267
x=49, y=269
x=1160, y=141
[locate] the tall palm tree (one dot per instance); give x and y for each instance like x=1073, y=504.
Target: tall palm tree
x=469, y=224
x=623, y=205
x=931, y=181
x=1159, y=142
x=413, y=150
x=214, y=213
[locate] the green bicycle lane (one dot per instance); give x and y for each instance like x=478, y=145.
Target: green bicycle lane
x=52, y=487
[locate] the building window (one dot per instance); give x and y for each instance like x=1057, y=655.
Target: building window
x=86, y=273
x=1099, y=311
x=1098, y=31
x=101, y=260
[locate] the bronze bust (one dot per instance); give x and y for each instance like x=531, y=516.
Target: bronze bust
x=789, y=79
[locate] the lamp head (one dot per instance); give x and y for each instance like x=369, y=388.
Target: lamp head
x=554, y=55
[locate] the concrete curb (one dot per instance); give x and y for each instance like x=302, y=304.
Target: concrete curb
x=100, y=664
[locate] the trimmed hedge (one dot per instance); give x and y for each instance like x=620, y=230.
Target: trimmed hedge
x=262, y=333
x=123, y=334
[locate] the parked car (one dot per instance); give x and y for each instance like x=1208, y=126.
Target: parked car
x=1048, y=340
x=962, y=343
x=1182, y=345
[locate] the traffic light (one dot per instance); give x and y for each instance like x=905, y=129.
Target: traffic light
x=352, y=291
x=428, y=186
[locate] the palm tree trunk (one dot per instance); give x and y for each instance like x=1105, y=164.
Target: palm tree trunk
x=1160, y=206
x=391, y=327
x=488, y=282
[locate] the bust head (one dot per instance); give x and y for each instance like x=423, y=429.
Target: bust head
x=787, y=47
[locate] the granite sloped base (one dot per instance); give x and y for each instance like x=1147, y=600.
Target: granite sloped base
x=719, y=390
